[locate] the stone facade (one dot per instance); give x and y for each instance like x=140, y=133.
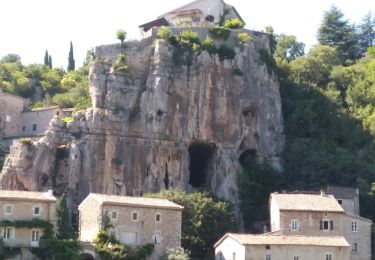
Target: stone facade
x=320, y=215
x=136, y=221
x=11, y=107
x=23, y=205
x=260, y=247
x=36, y=121
x=347, y=197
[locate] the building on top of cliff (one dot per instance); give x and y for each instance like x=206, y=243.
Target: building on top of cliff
x=196, y=13
x=135, y=220
x=18, y=211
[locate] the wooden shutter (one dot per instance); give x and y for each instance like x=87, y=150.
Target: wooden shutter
x=331, y=224
x=321, y=224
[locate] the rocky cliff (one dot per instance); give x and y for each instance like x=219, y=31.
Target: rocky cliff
x=158, y=125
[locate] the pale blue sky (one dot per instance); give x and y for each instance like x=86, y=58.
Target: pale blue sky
x=29, y=27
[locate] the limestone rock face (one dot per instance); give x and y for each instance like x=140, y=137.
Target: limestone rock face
x=159, y=125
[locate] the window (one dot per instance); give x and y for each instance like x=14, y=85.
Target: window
x=23, y=128
x=339, y=201
x=268, y=247
x=36, y=211
x=34, y=127
x=157, y=237
x=329, y=256
x=135, y=216
x=158, y=217
x=129, y=238
x=234, y=256
x=326, y=225
x=295, y=257
x=114, y=215
x=294, y=225
x=355, y=248
x=7, y=118
x=8, y=210
x=35, y=235
x=268, y=257
x=354, y=226
x=6, y=233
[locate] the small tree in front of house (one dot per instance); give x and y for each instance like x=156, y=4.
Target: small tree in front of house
x=64, y=227
x=121, y=35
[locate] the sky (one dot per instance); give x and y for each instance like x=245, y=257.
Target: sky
x=29, y=27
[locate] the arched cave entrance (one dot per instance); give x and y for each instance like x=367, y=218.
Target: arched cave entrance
x=247, y=157
x=201, y=155
x=87, y=256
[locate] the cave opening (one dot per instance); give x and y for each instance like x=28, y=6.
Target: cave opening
x=201, y=155
x=247, y=157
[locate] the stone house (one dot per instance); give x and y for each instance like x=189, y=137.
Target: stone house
x=11, y=107
x=36, y=121
x=196, y=13
x=269, y=246
x=320, y=215
x=347, y=197
x=136, y=220
x=24, y=206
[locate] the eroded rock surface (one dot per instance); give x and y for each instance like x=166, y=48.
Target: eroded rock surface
x=159, y=125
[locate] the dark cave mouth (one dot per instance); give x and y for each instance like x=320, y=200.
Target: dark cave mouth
x=247, y=157
x=201, y=155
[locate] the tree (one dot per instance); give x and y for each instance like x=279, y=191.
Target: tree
x=121, y=35
x=50, y=62
x=336, y=32
x=12, y=58
x=288, y=48
x=46, y=58
x=204, y=220
x=366, y=33
x=64, y=227
x=71, y=61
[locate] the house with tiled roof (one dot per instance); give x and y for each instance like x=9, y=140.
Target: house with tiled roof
x=194, y=14
x=320, y=215
x=24, y=218
x=270, y=246
x=136, y=220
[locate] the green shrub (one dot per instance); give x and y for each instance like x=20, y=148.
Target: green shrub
x=176, y=254
x=266, y=57
x=237, y=71
x=188, y=38
x=233, y=24
x=26, y=141
x=219, y=32
x=164, y=33
x=243, y=39
x=120, y=64
x=226, y=52
x=209, y=45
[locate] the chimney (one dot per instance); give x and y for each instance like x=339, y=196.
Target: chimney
x=50, y=192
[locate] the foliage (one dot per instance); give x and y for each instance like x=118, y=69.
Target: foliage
x=46, y=58
x=209, y=45
x=219, y=32
x=188, y=38
x=233, y=24
x=335, y=31
x=176, y=254
x=204, y=220
x=288, y=49
x=243, y=39
x=26, y=141
x=268, y=60
x=164, y=33
x=64, y=227
x=256, y=182
x=120, y=64
x=226, y=52
x=366, y=31
x=8, y=252
x=71, y=61
x=121, y=35
x=11, y=58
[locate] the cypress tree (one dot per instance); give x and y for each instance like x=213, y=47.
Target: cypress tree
x=50, y=61
x=64, y=228
x=71, y=61
x=46, y=61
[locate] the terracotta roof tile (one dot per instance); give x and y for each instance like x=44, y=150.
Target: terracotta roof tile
x=140, y=201
x=26, y=195
x=248, y=239
x=306, y=202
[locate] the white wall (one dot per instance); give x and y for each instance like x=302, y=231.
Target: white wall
x=229, y=248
